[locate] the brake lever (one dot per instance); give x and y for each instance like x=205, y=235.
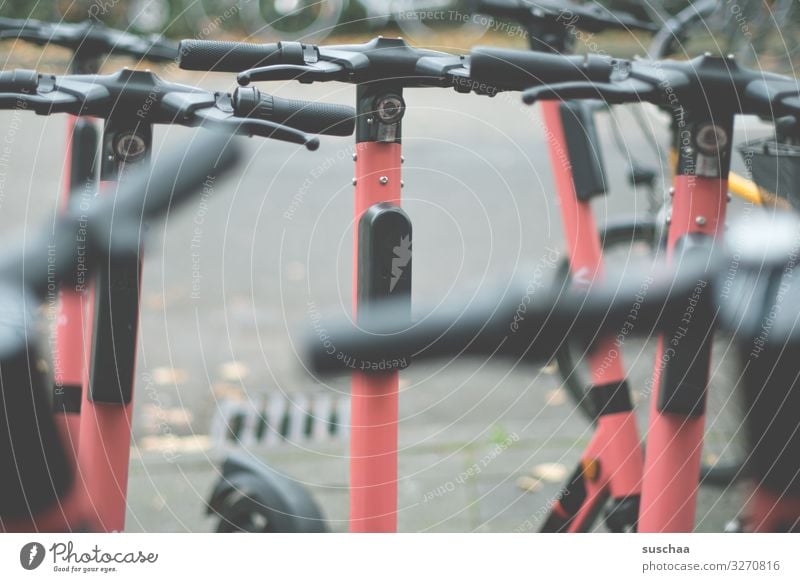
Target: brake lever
x=225, y=120
x=633, y=23
x=58, y=100
x=319, y=71
x=586, y=17
x=612, y=93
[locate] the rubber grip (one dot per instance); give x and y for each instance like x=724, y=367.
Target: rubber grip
x=19, y=81
x=518, y=70
x=229, y=57
x=33, y=461
x=509, y=9
x=307, y=116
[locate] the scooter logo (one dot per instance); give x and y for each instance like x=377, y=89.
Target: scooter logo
x=402, y=255
x=31, y=555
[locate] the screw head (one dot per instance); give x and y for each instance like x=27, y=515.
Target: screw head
x=355, y=157
x=390, y=108
x=354, y=181
x=402, y=184
x=383, y=180
x=700, y=220
x=711, y=138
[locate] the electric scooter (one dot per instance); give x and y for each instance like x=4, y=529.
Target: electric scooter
x=382, y=256
x=131, y=103
x=90, y=43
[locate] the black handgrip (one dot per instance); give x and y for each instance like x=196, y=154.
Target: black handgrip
x=308, y=116
x=33, y=461
x=508, y=9
x=111, y=225
x=234, y=57
x=516, y=70
x=156, y=49
x=19, y=81
x=587, y=17
x=512, y=325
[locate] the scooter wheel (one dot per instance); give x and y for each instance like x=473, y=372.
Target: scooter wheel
x=252, y=497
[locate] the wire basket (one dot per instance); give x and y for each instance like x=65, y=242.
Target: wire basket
x=775, y=169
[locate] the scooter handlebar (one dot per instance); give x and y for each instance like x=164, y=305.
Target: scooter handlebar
x=232, y=57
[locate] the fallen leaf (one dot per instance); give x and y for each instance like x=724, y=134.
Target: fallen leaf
x=550, y=472
x=233, y=371
x=165, y=376
x=556, y=397
x=170, y=443
x=550, y=368
x=529, y=484
x=43, y=366
x=224, y=390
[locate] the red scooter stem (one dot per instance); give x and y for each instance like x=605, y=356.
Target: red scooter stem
x=612, y=463
x=110, y=355
x=68, y=357
x=105, y=429
x=583, y=242
x=675, y=441
x=374, y=404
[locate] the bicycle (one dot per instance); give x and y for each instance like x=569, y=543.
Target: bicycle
x=132, y=102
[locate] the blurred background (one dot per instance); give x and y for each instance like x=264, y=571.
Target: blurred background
x=223, y=314
x=452, y=22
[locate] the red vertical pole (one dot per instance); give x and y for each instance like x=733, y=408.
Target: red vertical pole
x=583, y=241
x=70, y=307
x=374, y=404
x=675, y=441
x=105, y=427
x=615, y=448
x=110, y=356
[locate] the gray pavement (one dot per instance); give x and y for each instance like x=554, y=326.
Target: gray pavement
x=223, y=311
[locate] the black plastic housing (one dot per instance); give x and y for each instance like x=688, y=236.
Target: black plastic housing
x=33, y=463
x=584, y=148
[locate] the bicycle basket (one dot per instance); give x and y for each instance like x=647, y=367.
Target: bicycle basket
x=775, y=168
